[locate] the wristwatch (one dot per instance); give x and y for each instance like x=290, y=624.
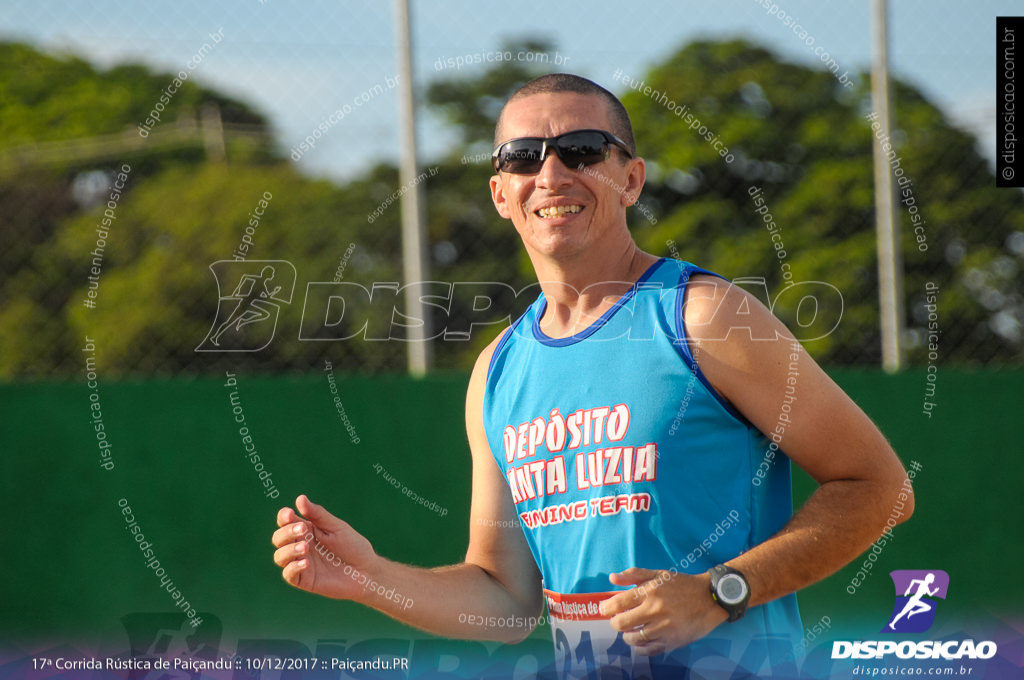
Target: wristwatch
x=729, y=588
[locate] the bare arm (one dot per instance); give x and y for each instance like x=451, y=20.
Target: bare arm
x=498, y=579
x=828, y=436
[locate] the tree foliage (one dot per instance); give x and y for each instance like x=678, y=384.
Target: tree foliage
x=792, y=132
x=805, y=140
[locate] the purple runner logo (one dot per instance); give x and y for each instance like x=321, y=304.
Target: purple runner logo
x=914, y=612
x=247, y=317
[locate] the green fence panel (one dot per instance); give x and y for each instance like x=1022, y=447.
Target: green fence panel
x=396, y=466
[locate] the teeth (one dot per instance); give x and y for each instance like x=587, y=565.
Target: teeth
x=559, y=211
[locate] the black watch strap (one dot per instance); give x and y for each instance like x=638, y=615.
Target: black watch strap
x=730, y=589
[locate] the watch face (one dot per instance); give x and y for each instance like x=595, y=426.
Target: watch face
x=731, y=589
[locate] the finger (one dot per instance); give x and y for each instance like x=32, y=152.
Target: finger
x=633, y=619
x=291, y=552
x=634, y=638
x=649, y=638
x=286, y=516
x=632, y=576
x=651, y=649
x=317, y=514
x=622, y=602
x=294, y=571
x=290, y=533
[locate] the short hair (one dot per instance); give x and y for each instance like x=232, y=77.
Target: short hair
x=567, y=82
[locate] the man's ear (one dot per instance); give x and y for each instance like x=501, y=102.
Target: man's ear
x=498, y=196
x=636, y=175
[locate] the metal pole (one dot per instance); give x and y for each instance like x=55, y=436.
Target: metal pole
x=890, y=258
x=414, y=261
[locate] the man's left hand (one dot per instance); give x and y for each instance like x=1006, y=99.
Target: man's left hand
x=664, y=611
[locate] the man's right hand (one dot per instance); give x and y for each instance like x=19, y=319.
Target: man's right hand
x=313, y=549
x=494, y=594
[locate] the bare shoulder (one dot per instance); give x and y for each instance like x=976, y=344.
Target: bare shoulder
x=734, y=338
x=478, y=380
x=483, y=360
x=755, y=362
x=716, y=309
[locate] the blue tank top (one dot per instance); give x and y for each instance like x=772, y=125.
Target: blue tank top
x=619, y=453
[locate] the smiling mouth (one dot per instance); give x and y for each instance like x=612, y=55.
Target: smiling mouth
x=558, y=211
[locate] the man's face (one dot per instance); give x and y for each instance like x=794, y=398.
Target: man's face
x=598, y=193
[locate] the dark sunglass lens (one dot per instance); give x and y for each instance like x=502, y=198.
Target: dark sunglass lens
x=521, y=156
x=584, y=148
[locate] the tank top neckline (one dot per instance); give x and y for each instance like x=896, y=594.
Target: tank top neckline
x=542, y=304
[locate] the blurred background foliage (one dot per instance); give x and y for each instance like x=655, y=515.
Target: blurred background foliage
x=794, y=132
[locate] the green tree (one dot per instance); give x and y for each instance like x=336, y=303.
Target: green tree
x=792, y=132
x=50, y=195
x=804, y=140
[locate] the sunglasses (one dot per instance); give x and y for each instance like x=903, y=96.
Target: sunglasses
x=525, y=155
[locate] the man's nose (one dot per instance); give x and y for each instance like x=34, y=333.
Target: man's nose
x=554, y=173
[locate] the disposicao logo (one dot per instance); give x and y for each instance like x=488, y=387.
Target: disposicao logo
x=917, y=592
x=247, y=317
x=914, y=611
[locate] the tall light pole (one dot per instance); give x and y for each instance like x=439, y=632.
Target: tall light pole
x=890, y=257
x=414, y=241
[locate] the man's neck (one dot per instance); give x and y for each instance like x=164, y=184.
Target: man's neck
x=580, y=290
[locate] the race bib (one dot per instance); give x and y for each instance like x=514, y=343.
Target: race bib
x=586, y=645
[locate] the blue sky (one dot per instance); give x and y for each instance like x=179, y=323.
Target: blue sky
x=299, y=62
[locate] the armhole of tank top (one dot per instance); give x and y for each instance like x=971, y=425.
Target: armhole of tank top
x=501, y=344
x=682, y=342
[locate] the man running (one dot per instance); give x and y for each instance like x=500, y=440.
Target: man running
x=654, y=551
x=251, y=292
x=915, y=605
